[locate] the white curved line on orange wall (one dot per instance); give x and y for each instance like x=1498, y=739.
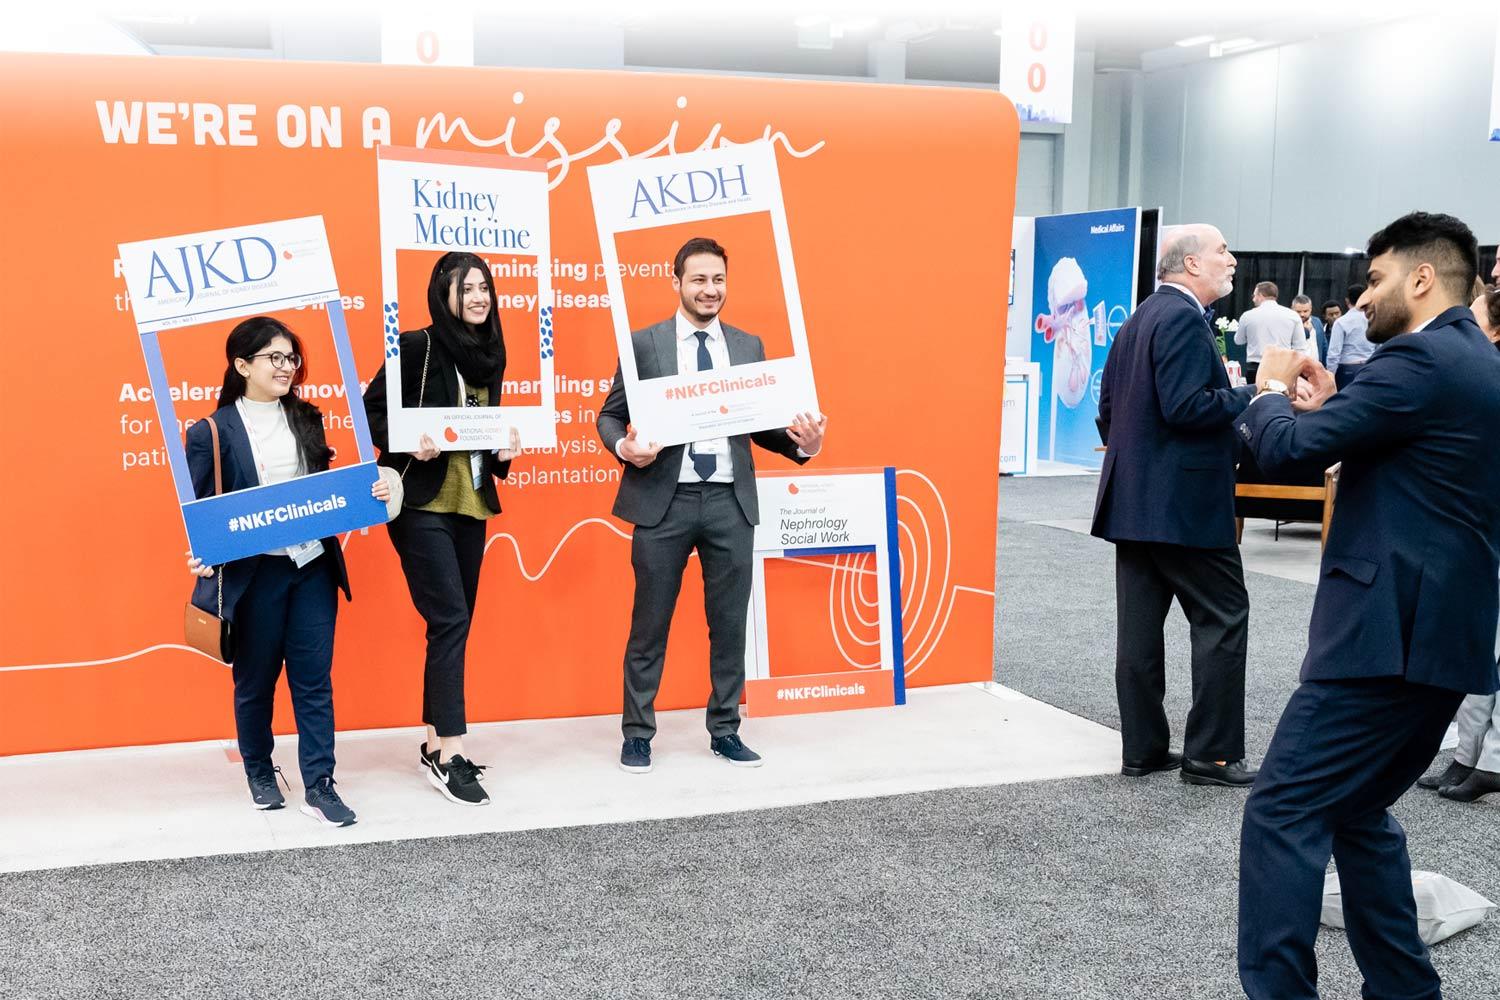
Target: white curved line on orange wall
x=116, y=659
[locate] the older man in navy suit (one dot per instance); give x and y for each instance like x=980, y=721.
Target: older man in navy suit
x=1166, y=499
x=1403, y=624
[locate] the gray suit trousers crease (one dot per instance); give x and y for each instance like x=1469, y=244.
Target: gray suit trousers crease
x=709, y=518
x=1479, y=732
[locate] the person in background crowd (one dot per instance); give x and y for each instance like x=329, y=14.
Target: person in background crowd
x=696, y=496
x=1474, y=773
x=1404, y=621
x=1267, y=324
x=1348, y=348
x=458, y=359
x=1166, y=501
x=1332, y=310
x=282, y=605
x=1312, y=329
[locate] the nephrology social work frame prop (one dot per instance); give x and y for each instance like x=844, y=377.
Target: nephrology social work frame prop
x=223, y=274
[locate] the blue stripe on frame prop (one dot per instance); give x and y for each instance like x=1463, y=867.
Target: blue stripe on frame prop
x=250, y=522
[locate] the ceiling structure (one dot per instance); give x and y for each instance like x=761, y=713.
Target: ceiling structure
x=960, y=46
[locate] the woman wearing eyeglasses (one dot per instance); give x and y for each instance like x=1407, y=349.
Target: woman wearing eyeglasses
x=458, y=359
x=282, y=604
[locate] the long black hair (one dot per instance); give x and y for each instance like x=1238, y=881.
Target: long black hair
x=478, y=351
x=249, y=338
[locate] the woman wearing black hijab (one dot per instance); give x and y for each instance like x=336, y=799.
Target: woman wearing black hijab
x=458, y=359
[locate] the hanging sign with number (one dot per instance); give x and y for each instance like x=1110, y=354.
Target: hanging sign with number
x=1036, y=63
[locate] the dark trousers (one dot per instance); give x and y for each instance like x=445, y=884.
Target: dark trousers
x=1344, y=374
x=440, y=556
x=286, y=615
x=1248, y=369
x=1342, y=753
x=705, y=516
x=1209, y=584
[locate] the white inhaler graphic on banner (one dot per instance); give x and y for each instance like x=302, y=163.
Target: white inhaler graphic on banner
x=1066, y=327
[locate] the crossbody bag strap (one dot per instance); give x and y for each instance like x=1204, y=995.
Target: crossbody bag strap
x=213, y=430
x=421, y=391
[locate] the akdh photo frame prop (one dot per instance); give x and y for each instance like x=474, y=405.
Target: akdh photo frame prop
x=488, y=205
x=224, y=274
x=699, y=187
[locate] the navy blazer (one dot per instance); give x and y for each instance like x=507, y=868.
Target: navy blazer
x=1407, y=587
x=1166, y=411
x=237, y=464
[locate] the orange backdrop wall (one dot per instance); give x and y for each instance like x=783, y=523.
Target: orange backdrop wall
x=899, y=201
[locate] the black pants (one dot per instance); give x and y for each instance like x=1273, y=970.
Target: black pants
x=1249, y=369
x=1344, y=374
x=1343, y=752
x=705, y=516
x=286, y=615
x=1209, y=584
x=440, y=556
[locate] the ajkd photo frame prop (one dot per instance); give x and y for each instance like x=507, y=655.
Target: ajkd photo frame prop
x=224, y=274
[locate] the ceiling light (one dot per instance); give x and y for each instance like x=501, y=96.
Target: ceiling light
x=1235, y=44
x=1187, y=43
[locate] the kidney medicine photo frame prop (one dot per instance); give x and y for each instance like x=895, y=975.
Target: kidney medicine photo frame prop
x=442, y=201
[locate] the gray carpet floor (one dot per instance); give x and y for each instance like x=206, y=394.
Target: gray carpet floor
x=1085, y=888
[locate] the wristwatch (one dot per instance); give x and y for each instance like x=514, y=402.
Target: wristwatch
x=1276, y=386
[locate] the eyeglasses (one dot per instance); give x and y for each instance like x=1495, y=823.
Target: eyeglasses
x=280, y=360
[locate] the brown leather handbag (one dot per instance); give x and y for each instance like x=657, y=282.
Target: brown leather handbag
x=205, y=632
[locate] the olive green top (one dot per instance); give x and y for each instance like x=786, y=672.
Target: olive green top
x=457, y=495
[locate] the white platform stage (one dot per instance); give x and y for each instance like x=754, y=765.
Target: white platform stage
x=189, y=800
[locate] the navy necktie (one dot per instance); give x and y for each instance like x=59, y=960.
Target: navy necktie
x=1208, y=314
x=704, y=465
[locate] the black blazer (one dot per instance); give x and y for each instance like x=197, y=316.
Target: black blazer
x=1165, y=413
x=1408, y=583
x=645, y=494
x=237, y=464
x=422, y=480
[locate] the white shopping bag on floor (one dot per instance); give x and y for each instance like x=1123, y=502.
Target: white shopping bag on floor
x=1443, y=906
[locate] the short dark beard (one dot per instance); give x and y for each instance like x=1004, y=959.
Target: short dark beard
x=1391, y=320
x=695, y=315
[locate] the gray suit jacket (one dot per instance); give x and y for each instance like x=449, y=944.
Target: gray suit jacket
x=646, y=493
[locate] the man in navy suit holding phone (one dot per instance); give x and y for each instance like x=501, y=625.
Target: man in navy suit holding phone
x=1166, y=499
x=1403, y=624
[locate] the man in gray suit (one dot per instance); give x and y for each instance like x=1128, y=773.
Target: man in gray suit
x=685, y=497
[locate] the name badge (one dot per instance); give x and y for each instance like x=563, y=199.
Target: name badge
x=305, y=553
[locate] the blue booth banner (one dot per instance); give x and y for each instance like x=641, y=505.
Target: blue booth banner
x=224, y=274
x=1083, y=290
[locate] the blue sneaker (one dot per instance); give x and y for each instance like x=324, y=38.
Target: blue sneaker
x=635, y=756
x=731, y=749
x=324, y=805
x=263, y=791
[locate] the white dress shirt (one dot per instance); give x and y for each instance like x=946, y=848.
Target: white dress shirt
x=687, y=361
x=1269, y=324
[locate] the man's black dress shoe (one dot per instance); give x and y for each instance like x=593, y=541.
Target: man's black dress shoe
x=1476, y=786
x=1205, y=772
x=1139, y=769
x=1454, y=774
